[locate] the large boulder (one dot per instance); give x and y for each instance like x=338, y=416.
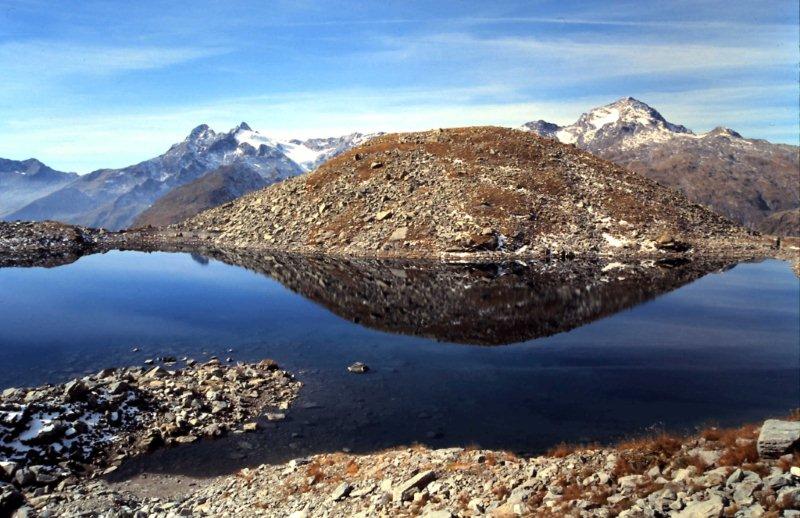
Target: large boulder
x=777, y=438
x=10, y=499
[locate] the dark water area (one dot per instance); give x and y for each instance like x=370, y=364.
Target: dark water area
x=500, y=356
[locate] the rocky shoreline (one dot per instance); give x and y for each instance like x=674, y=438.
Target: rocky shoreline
x=55, y=437
x=743, y=472
x=51, y=243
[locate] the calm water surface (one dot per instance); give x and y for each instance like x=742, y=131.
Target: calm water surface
x=724, y=349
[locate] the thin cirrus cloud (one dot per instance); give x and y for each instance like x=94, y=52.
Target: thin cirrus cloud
x=571, y=59
x=53, y=58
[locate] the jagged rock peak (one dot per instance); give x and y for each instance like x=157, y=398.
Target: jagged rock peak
x=199, y=132
x=243, y=126
x=722, y=131
x=542, y=127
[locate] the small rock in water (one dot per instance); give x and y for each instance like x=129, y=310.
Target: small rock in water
x=276, y=416
x=358, y=368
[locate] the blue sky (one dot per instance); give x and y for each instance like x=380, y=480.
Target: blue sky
x=87, y=84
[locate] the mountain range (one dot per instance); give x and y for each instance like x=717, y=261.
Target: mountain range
x=752, y=182
x=447, y=192
x=22, y=181
x=746, y=180
x=115, y=198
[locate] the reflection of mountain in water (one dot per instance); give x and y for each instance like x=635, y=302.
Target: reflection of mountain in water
x=474, y=304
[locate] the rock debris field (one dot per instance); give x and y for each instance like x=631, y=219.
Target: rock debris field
x=744, y=472
x=56, y=436
x=467, y=190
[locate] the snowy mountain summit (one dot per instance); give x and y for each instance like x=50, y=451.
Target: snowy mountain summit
x=627, y=121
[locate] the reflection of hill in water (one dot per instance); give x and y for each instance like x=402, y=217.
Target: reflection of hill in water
x=473, y=304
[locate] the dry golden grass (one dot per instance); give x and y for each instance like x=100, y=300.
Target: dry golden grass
x=662, y=445
x=696, y=461
x=622, y=468
x=314, y=471
x=561, y=450
x=572, y=492
x=737, y=455
x=786, y=464
x=500, y=492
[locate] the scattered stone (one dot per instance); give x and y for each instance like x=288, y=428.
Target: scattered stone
x=711, y=508
x=399, y=234
x=778, y=437
x=407, y=489
x=341, y=491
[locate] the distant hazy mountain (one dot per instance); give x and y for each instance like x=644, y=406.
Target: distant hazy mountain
x=746, y=180
x=114, y=198
x=22, y=181
x=215, y=188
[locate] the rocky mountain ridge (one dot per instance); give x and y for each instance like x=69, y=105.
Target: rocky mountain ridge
x=746, y=180
x=114, y=198
x=464, y=190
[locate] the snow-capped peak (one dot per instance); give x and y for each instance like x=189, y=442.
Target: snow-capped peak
x=625, y=120
x=631, y=113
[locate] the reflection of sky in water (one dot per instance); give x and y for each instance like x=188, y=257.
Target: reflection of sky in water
x=725, y=347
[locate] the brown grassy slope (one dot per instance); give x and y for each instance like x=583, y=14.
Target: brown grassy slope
x=460, y=190
x=215, y=188
x=783, y=223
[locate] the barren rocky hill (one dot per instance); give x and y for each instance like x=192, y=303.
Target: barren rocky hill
x=464, y=190
x=215, y=188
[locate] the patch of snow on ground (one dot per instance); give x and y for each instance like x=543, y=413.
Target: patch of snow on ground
x=613, y=241
x=601, y=117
